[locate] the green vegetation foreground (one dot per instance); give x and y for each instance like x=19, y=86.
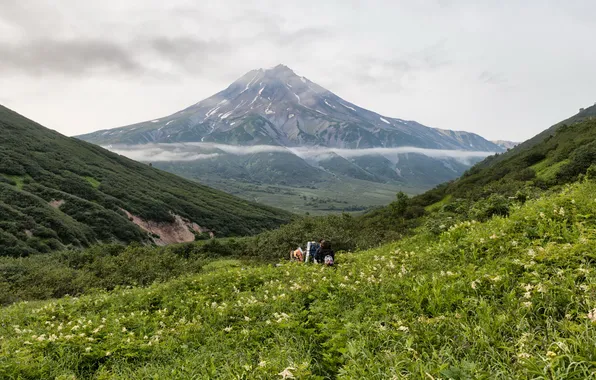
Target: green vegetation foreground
x=512, y=297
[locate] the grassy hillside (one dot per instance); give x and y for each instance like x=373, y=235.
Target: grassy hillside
x=542, y=163
x=57, y=192
x=512, y=297
x=584, y=114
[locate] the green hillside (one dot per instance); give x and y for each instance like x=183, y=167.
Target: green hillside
x=584, y=114
x=512, y=297
x=555, y=157
x=58, y=192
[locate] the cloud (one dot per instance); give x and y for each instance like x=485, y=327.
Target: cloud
x=201, y=151
x=492, y=78
x=47, y=41
x=393, y=73
x=155, y=153
x=71, y=57
x=75, y=57
x=112, y=63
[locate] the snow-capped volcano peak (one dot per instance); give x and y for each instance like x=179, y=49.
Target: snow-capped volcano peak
x=277, y=106
x=281, y=68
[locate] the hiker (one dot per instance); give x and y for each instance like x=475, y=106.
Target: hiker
x=325, y=254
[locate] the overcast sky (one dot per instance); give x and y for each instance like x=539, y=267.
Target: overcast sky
x=505, y=69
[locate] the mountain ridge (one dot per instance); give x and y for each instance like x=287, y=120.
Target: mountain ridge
x=276, y=106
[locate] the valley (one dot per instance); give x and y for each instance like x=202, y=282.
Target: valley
x=329, y=197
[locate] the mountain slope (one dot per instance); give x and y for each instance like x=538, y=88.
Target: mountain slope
x=505, y=144
x=276, y=106
x=556, y=156
x=584, y=114
x=57, y=191
x=480, y=301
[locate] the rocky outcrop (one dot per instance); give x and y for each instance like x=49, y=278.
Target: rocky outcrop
x=181, y=230
x=56, y=203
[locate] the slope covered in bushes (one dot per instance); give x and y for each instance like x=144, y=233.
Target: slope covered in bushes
x=57, y=192
x=556, y=158
x=512, y=297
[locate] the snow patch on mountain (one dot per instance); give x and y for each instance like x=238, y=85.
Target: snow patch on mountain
x=212, y=111
x=226, y=115
x=347, y=106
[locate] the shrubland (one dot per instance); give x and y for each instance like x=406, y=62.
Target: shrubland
x=74, y=272
x=550, y=160
x=509, y=297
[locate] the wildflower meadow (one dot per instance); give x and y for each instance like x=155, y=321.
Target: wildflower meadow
x=512, y=297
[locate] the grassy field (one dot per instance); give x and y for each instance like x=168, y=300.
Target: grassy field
x=512, y=297
x=334, y=196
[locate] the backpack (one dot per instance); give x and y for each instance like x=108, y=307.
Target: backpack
x=297, y=255
x=311, y=249
x=329, y=260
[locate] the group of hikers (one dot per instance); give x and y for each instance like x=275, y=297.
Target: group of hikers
x=316, y=252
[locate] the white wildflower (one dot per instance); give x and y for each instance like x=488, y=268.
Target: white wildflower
x=286, y=374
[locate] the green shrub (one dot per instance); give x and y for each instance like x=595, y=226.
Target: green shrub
x=495, y=205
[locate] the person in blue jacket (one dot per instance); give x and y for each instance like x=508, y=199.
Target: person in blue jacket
x=323, y=251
